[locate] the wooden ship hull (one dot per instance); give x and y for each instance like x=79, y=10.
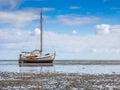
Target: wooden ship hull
x=44, y=59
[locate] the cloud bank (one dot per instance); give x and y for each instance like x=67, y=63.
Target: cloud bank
x=103, y=45
x=67, y=46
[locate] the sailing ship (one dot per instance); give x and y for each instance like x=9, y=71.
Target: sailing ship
x=37, y=56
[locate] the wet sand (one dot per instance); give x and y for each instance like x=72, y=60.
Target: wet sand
x=58, y=81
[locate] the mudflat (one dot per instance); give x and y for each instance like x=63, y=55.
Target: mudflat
x=58, y=81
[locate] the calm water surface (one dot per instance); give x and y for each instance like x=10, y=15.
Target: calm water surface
x=59, y=66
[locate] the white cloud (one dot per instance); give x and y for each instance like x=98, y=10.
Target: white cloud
x=11, y=4
x=37, y=31
x=76, y=19
x=115, y=27
x=13, y=35
x=37, y=10
x=48, y=9
x=74, y=32
x=17, y=18
x=27, y=16
x=23, y=17
x=106, y=50
x=94, y=50
x=74, y=7
x=103, y=29
x=77, y=46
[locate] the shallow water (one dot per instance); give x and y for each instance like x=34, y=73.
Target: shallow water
x=60, y=66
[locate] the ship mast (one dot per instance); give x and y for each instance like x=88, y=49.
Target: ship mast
x=41, y=32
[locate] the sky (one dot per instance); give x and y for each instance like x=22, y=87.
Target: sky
x=74, y=29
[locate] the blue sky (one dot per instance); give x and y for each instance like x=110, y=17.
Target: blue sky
x=75, y=29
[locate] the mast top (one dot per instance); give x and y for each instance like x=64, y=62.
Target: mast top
x=41, y=31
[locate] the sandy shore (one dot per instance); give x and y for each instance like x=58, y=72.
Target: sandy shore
x=58, y=81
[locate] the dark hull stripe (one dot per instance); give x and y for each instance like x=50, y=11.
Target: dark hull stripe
x=37, y=61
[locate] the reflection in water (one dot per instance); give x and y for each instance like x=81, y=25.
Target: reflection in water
x=36, y=67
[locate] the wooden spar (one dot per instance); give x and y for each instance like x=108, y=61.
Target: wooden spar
x=41, y=32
